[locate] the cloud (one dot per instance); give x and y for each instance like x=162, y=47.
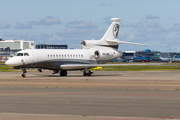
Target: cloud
x=17, y=36
x=134, y=25
x=126, y=36
x=80, y=24
x=108, y=20
x=151, y=17
x=24, y=34
x=20, y=25
x=81, y=27
x=73, y=33
x=4, y=25
x=50, y=37
x=153, y=27
x=176, y=27
x=48, y=21
x=152, y=34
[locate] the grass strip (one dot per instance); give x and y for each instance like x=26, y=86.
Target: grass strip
x=140, y=68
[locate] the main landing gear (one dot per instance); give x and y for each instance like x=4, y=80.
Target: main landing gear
x=55, y=71
x=87, y=72
x=39, y=70
x=62, y=72
x=24, y=71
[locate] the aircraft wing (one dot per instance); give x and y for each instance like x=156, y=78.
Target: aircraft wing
x=87, y=66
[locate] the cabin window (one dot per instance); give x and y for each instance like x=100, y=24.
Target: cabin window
x=56, y=55
x=71, y=56
x=82, y=56
x=48, y=55
x=59, y=55
x=20, y=54
x=65, y=56
x=51, y=56
x=68, y=56
x=26, y=54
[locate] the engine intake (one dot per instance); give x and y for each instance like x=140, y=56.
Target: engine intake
x=96, y=54
x=83, y=44
x=102, y=54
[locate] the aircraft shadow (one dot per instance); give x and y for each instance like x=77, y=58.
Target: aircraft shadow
x=81, y=75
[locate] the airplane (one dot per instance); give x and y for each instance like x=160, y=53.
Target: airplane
x=169, y=59
x=94, y=53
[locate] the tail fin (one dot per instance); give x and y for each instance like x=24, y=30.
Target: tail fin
x=159, y=56
x=112, y=32
x=109, y=39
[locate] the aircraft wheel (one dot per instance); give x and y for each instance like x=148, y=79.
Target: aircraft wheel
x=63, y=73
x=23, y=75
x=87, y=74
x=40, y=70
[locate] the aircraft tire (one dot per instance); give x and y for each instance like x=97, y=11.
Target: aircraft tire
x=63, y=73
x=23, y=75
x=87, y=74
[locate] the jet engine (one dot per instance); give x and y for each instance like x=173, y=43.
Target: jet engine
x=90, y=43
x=102, y=54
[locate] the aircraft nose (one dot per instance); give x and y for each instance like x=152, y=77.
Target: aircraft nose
x=8, y=62
x=13, y=62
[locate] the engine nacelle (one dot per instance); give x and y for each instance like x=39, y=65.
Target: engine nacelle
x=90, y=43
x=102, y=54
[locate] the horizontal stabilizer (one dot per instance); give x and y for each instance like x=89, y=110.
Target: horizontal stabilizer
x=116, y=41
x=133, y=43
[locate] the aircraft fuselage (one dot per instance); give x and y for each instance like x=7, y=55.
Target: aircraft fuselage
x=53, y=58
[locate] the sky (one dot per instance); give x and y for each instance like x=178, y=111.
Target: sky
x=152, y=22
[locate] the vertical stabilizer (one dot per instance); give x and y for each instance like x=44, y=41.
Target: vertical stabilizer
x=112, y=32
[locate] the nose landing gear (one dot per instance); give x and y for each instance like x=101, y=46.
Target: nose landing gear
x=24, y=71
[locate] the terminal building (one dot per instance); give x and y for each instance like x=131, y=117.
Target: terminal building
x=16, y=44
x=51, y=46
x=10, y=47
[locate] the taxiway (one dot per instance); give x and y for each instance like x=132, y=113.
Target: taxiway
x=105, y=95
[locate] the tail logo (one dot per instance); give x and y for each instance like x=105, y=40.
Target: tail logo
x=116, y=30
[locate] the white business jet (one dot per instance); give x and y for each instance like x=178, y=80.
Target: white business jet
x=94, y=53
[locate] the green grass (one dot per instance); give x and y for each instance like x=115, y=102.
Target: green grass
x=5, y=68
x=140, y=68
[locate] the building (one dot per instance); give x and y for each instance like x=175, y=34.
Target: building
x=139, y=56
x=11, y=47
x=127, y=56
x=148, y=54
x=49, y=46
x=16, y=44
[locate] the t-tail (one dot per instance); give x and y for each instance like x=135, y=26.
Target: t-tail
x=112, y=32
x=109, y=39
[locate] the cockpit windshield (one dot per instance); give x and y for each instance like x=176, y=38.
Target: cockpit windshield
x=26, y=54
x=22, y=54
x=19, y=54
